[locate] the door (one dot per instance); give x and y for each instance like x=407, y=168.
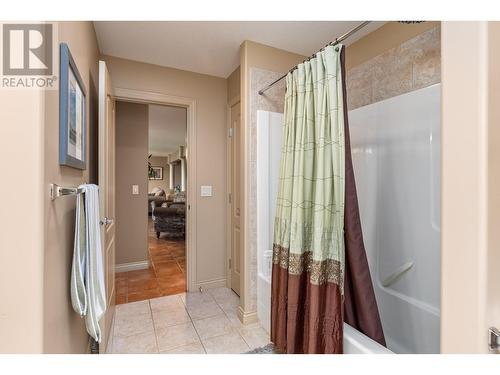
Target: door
x=235, y=201
x=107, y=192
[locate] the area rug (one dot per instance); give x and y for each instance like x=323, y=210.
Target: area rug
x=268, y=349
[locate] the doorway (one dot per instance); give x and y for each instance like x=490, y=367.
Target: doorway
x=168, y=259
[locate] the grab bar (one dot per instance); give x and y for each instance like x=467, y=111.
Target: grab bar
x=397, y=274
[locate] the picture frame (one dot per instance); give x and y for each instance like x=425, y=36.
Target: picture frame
x=157, y=173
x=72, y=113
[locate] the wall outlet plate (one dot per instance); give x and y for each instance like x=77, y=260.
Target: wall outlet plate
x=135, y=189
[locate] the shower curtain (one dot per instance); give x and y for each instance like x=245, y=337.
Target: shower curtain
x=313, y=211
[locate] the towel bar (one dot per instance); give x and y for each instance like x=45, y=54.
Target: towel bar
x=57, y=191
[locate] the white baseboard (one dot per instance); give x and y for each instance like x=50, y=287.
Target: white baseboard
x=125, y=267
x=210, y=284
x=247, y=317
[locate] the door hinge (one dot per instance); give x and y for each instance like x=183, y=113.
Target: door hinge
x=229, y=197
x=230, y=264
x=230, y=132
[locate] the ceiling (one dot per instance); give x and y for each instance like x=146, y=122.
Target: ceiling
x=213, y=47
x=167, y=129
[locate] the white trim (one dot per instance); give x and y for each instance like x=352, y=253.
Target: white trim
x=133, y=266
x=148, y=97
x=247, y=317
x=213, y=283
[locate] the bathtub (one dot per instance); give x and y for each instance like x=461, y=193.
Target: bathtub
x=354, y=341
x=395, y=146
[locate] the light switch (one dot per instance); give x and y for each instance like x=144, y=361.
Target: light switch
x=206, y=190
x=135, y=189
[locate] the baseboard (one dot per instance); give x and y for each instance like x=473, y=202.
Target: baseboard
x=247, y=317
x=125, y=267
x=213, y=283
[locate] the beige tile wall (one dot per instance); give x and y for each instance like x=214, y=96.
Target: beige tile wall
x=412, y=65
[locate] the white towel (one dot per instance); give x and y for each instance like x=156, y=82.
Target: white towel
x=88, y=290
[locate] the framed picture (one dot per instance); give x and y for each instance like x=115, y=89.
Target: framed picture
x=72, y=113
x=156, y=173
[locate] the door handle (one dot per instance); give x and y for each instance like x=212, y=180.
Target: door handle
x=106, y=221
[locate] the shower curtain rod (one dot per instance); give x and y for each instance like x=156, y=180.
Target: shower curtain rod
x=336, y=41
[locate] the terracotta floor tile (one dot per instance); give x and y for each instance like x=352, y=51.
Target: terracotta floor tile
x=146, y=294
x=121, y=298
x=141, y=274
x=135, y=286
x=166, y=276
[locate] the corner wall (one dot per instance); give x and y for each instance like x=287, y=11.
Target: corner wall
x=260, y=65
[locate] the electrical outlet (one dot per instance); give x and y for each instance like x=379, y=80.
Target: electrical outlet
x=135, y=189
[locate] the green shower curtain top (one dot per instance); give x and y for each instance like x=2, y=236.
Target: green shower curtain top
x=309, y=224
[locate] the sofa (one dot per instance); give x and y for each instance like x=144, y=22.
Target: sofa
x=156, y=197
x=170, y=218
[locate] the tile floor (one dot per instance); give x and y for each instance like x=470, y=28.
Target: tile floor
x=186, y=323
x=165, y=276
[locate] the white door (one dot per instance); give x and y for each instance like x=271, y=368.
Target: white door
x=107, y=192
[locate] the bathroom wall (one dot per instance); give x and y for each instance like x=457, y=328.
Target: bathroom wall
x=260, y=65
x=233, y=85
x=63, y=330
x=131, y=169
x=210, y=94
x=412, y=64
x=470, y=280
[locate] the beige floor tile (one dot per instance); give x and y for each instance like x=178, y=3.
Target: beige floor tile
x=195, y=298
x=225, y=296
x=133, y=309
x=143, y=343
x=166, y=303
x=175, y=336
x=129, y=325
x=167, y=318
x=203, y=310
x=214, y=326
x=196, y=348
x=254, y=335
x=231, y=343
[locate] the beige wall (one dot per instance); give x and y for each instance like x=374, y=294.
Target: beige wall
x=470, y=208
x=64, y=331
x=390, y=35
x=21, y=220
x=160, y=161
x=254, y=56
x=411, y=65
x=131, y=169
x=210, y=94
x=233, y=85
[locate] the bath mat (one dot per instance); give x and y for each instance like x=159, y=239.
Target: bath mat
x=268, y=349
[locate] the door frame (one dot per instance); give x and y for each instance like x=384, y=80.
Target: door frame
x=229, y=190
x=147, y=97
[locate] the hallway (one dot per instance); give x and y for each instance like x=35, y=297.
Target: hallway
x=165, y=276
x=186, y=323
